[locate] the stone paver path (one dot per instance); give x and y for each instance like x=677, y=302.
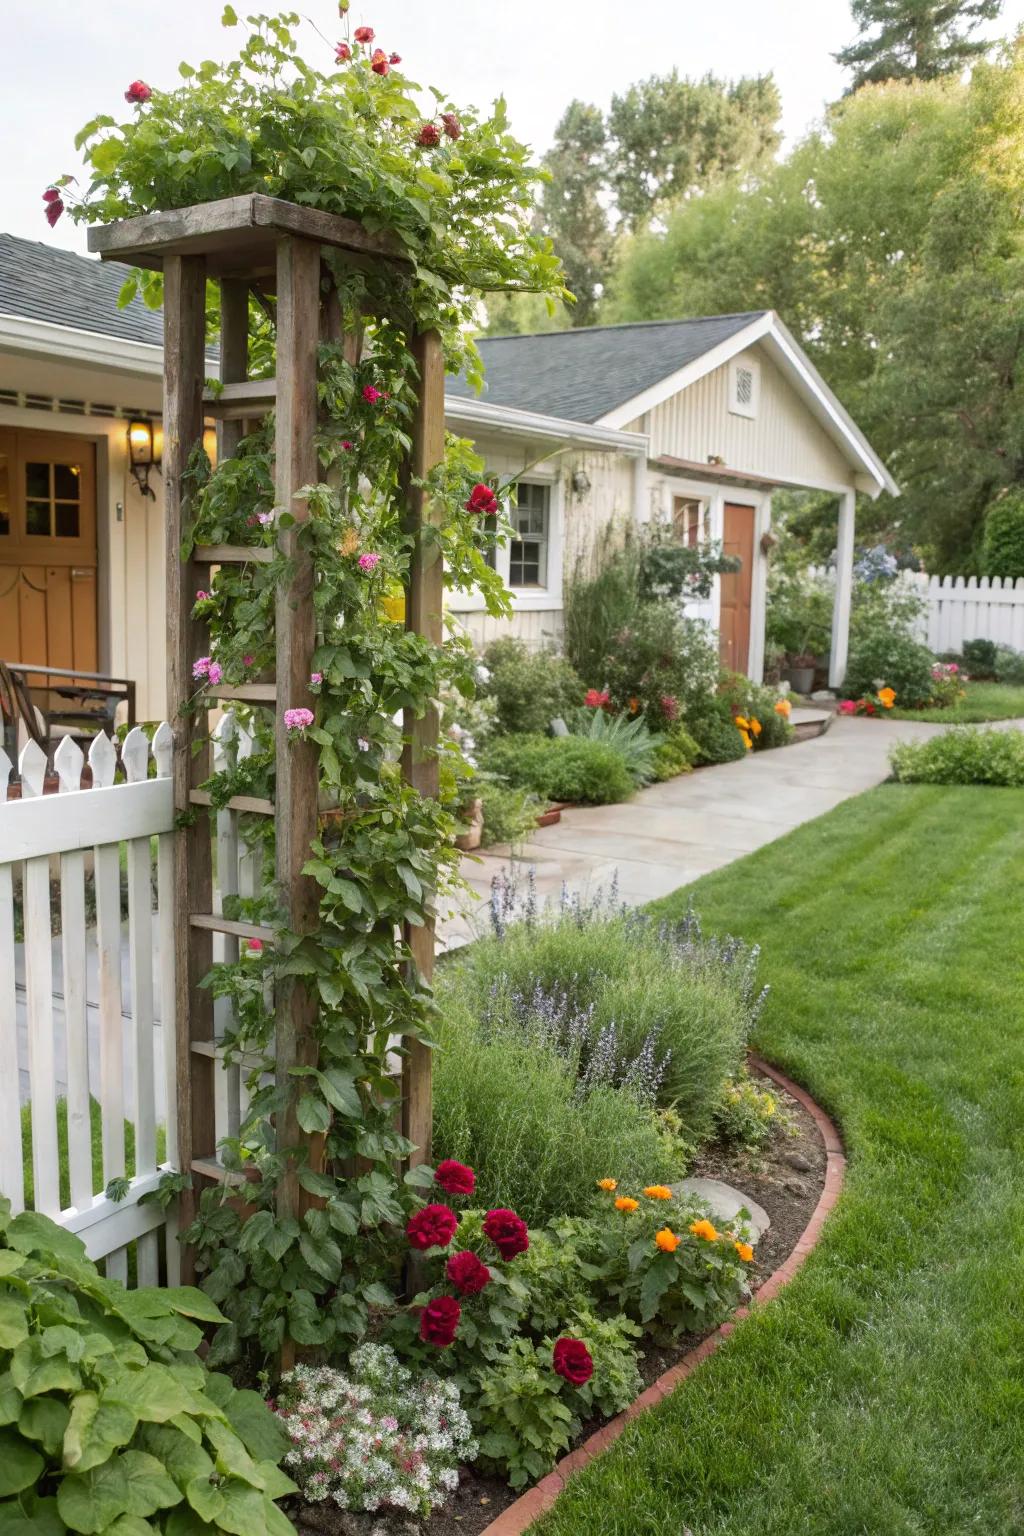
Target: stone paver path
x=671, y=833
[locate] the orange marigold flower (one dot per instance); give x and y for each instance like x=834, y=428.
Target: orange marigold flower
x=658, y=1192
x=634, y=705
x=741, y=722
x=705, y=1230
x=784, y=708
x=745, y=1251
x=887, y=697
x=608, y=1184
x=624, y=1203
x=747, y=741
x=755, y=726
x=666, y=1240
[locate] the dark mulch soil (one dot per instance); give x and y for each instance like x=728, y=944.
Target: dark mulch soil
x=786, y=1177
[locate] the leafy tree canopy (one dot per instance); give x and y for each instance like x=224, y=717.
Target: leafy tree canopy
x=915, y=39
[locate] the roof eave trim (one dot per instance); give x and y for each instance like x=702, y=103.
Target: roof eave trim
x=95, y=349
x=517, y=423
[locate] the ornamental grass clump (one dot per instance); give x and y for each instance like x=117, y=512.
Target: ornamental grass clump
x=374, y=1437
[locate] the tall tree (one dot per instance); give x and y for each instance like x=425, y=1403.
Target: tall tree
x=671, y=137
x=915, y=39
x=571, y=208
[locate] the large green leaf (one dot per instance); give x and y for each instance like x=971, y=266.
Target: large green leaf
x=233, y=1460
x=185, y=1522
x=153, y=1395
x=96, y=1429
x=29, y=1516
x=181, y=1456
x=20, y=1463
x=313, y=1115
x=243, y=1510
x=339, y=1089
x=45, y=1419
x=260, y=1431
x=192, y=1302
x=13, y=1322
x=32, y=1373
x=656, y=1282
x=203, y=1497
x=131, y=1525
x=32, y=1233
x=131, y=1483
x=10, y=1400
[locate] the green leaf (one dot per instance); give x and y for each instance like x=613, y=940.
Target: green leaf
x=313, y=1115
x=30, y=1516
x=191, y=1302
x=20, y=1463
x=656, y=1282
x=131, y=1483
x=10, y=1262
x=243, y=1512
x=260, y=1431
x=45, y=1419
x=13, y=1321
x=204, y=1498
x=233, y=1460
x=339, y=1089
x=34, y=1234
x=10, y=1400
x=32, y=1373
x=130, y=1525
x=183, y=1459
x=95, y=1430
x=377, y=1295
x=228, y=17
x=106, y=154
x=154, y=1395
x=322, y=1255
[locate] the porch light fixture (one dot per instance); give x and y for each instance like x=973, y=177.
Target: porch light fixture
x=142, y=455
x=580, y=482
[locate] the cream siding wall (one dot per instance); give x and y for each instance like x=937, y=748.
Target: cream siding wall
x=782, y=442
x=130, y=527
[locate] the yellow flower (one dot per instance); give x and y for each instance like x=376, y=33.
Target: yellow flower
x=887, y=697
x=608, y=1185
x=658, y=1192
x=705, y=1230
x=741, y=722
x=784, y=708
x=755, y=726
x=624, y=1203
x=746, y=740
x=745, y=1251
x=667, y=1240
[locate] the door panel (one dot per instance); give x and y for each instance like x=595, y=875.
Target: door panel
x=736, y=588
x=48, y=557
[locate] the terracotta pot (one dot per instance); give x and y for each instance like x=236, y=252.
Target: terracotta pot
x=470, y=839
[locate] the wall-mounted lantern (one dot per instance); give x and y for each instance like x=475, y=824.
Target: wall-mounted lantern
x=142, y=453
x=580, y=482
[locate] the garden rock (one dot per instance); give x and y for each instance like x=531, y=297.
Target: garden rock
x=798, y=1161
x=726, y=1203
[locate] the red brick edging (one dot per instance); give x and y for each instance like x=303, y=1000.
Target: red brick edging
x=539, y=1499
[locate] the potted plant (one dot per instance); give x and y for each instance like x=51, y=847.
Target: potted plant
x=800, y=670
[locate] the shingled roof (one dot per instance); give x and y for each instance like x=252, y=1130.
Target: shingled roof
x=39, y=282
x=582, y=375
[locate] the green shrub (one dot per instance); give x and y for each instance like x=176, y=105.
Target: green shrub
x=661, y=664
x=510, y=1109
x=979, y=658
x=629, y=737
x=510, y=814
x=599, y=608
x=614, y=991
x=562, y=768
x=714, y=731
x=893, y=658
x=753, y=702
x=1009, y=666
x=529, y=687
x=676, y=752
x=749, y=1112
x=112, y=1423
x=962, y=755
x=1002, y=551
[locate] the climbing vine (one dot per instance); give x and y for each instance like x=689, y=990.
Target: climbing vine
x=455, y=190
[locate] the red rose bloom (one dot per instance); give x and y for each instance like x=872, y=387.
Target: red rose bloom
x=439, y=1320
x=138, y=92
x=482, y=500
x=596, y=698
x=343, y=53
x=54, y=205
x=379, y=63
x=455, y=1178
x=452, y=126
x=371, y=394
x=433, y=1227
x=396, y=58
x=571, y=1360
x=467, y=1274
x=364, y=34
x=507, y=1232
x=429, y=135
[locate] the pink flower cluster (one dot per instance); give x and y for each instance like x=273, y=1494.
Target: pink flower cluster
x=206, y=667
x=368, y=562
x=298, y=719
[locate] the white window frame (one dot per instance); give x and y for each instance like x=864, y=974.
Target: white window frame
x=549, y=597
x=738, y=407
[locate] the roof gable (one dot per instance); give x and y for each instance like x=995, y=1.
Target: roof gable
x=39, y=282
x=584, y=375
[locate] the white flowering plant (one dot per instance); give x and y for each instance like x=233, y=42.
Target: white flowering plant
x=374, y=1437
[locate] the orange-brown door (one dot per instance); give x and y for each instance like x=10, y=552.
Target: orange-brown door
x=48, y=550
x=734, y=625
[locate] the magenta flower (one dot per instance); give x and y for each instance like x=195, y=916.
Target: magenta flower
x=54, y=205
x=369, y=562
x=215, y=673
x=342, y=53
x=264, y=518
x=202, y=597
x=247, y=661
x=371, y=394
x=200, y=668
x=138, y=93
x=347, y=446
x=298, y=719
x=315, y=679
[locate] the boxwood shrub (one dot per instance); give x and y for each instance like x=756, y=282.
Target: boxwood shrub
x=963, y=755
x=572, y=768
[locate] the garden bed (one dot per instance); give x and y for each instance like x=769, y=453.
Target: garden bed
x=787, y=1177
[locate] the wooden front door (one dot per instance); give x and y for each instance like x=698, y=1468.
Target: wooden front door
x=734, y=625
x=48, y=550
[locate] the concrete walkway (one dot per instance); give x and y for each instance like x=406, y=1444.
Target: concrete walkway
x=671, y=833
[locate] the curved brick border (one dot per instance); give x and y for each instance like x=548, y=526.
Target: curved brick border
x=539, y=1499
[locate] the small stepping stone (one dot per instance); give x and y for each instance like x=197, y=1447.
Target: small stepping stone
x=726, y=1203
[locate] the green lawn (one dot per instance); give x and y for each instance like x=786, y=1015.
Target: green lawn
x=984, y=701
x=882, y=1394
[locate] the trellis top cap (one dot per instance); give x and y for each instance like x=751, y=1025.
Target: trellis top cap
x=237, y=235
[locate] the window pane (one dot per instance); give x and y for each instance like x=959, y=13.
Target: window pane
x=37, y=480
x=67, y=520
x=5, y=502
x=67, y=482
x=37, y=518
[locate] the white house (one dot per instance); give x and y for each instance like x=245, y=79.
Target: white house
x=693, y=422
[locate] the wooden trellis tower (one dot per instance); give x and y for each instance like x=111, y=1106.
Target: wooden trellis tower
x=264, y=244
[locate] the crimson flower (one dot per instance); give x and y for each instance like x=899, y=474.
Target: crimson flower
x=482, y=500
x=343, y=53
x=433, y=1227
x=507, y=1232
x=346, y=446
x=396, y=58
x=572, y=1361
x=379, y=63
x=467, y=1273
x=364, y=34
x=429, y=135
x=452, y=126
x=54, y=205
x=455, y=1178
x=371, y=394
x=138, y=92
x=439, y=1320
x=596, y=698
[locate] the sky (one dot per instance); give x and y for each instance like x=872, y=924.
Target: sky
x=63, y=61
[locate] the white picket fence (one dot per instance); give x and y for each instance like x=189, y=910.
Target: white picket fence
x=69, y=1029
x=958, y=608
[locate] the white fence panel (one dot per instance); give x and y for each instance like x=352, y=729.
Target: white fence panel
x=958, y=608
x=79, y=1011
